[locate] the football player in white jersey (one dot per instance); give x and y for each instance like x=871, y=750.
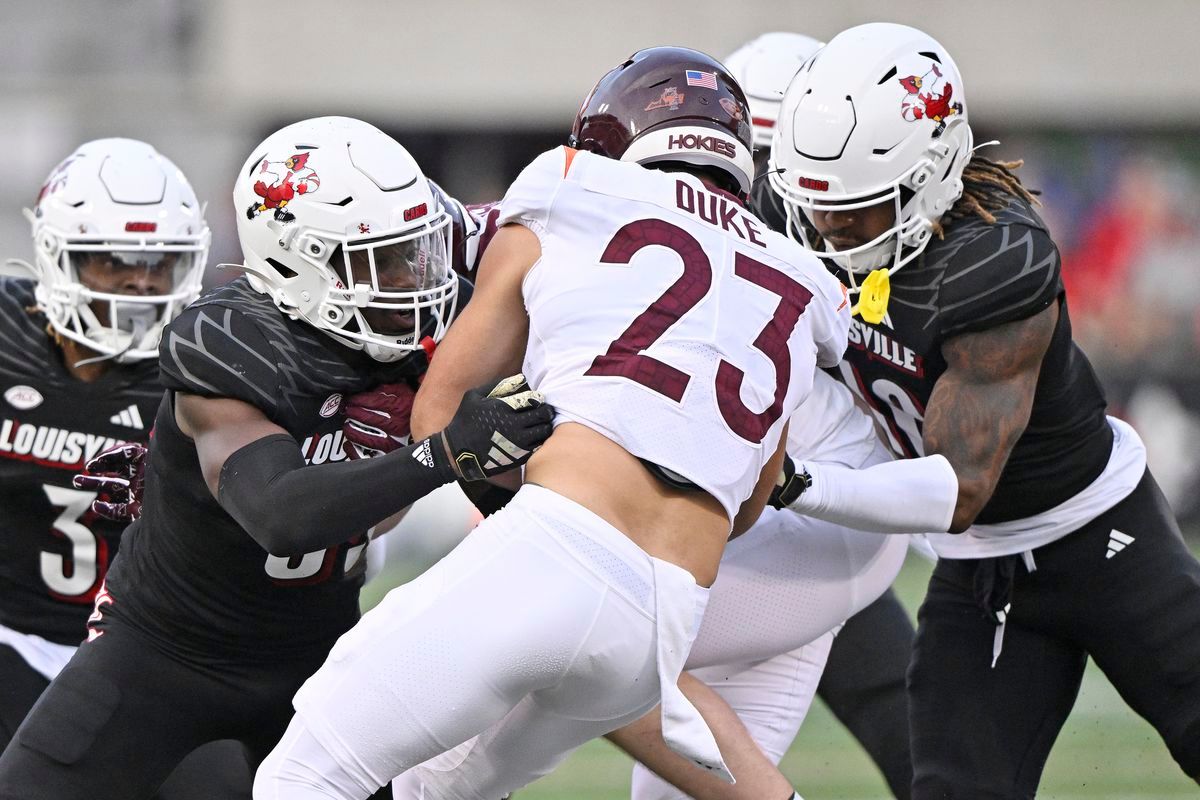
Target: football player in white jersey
x=863, y=682
x=675, y=337
x=790, y=579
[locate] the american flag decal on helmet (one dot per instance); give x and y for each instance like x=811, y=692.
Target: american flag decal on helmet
x=706, y=80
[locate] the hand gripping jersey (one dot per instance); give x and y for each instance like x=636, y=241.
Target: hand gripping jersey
x=54, y=551
x=669, y=319
x=981, y=276
x=189, y=574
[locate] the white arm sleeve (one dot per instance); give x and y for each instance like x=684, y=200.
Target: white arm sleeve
x=911, y=495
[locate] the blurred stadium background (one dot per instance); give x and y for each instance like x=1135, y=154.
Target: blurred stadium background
x=1098, y=96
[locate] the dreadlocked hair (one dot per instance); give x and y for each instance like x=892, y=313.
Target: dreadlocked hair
x=54, y=335
x=987, y=186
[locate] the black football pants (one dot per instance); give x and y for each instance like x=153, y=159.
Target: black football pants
x=122, y=715
x=863, y=685
x=980, y=732
x=216, y=770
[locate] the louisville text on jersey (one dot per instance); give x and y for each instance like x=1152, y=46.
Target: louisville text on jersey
x=50, y=446
x=323, y=447
x=881, y=347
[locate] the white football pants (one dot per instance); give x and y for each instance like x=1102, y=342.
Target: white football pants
x=544, y=629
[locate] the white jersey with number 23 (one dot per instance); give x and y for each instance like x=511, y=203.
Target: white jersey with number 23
x=668, y=318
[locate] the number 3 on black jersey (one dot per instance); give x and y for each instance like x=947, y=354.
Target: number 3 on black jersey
x=73, y=578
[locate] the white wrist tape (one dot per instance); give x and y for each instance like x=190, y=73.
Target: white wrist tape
x=912, y=495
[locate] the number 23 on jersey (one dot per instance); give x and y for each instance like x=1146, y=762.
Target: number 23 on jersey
x=625, y=356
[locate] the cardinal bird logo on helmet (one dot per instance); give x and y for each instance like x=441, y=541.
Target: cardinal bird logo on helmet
x=287, y=178
x=929, y=96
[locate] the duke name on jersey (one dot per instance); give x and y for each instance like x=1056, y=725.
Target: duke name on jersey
x=54, y=551
x=665, y=385
x=212, y=588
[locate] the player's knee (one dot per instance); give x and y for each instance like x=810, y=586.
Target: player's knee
x=1184, y=744
x=300, y=768
x=947, y=780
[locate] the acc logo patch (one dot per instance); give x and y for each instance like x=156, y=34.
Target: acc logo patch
x=331, y=405
x=23, y=398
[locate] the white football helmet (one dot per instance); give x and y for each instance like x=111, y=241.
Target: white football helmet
x=764, y=67
x=120, y=245
x=339, y=226
x=877, y=115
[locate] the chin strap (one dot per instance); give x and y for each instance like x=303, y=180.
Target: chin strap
x=139, y=330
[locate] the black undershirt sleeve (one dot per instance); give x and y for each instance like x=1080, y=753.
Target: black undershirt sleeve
x=291, y=508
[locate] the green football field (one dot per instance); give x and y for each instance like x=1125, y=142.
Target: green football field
x=1105, y=752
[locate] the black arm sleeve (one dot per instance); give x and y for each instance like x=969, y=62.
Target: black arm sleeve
x=291, y=508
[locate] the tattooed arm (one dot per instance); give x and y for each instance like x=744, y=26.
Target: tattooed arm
x=981, y=404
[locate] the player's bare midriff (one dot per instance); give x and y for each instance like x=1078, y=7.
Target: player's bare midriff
x=686, y=528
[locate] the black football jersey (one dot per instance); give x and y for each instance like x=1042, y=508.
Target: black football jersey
x=188, y=573
x=54, y=552
x=979, y=276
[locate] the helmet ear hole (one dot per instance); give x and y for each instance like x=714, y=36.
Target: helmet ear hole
x=314, y=248
x=334, y=315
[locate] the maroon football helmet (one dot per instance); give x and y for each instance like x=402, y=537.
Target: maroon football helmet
x=669, y=104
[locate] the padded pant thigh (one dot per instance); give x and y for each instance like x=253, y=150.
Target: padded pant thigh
x=448, y=655
x=103, y=730
x=70, y=716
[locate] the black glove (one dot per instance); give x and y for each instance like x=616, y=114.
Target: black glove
x=789, y=485
x=118, y=476
x=496, y=432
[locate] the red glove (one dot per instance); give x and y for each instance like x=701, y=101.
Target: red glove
x=378, y=420
x=118, y=475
